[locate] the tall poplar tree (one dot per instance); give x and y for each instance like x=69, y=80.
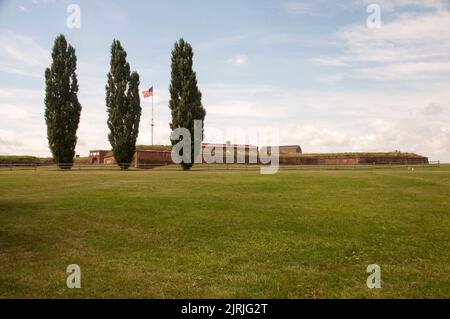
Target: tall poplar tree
x=185, y=97
x=123, y=106
x=62, y=108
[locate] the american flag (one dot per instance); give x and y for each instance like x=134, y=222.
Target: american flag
x=148, y=92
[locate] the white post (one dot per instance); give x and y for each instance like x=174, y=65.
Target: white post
x=152, y=124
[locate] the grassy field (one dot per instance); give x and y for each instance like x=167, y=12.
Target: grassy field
x=166, y=234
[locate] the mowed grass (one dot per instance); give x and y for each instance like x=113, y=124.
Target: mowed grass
x=198, y=234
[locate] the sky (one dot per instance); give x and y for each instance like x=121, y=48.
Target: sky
x=315, y=70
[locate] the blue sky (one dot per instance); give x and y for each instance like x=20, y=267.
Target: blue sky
x=313, y=69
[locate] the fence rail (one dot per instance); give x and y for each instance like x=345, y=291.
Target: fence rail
x=204, y=167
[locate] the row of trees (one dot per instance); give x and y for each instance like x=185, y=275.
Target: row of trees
x=63, y=110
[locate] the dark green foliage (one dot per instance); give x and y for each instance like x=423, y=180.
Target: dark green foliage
x=62, y=109
x=123, y=105
x=185, y=97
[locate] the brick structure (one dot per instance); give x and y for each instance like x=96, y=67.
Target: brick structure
x=232, y=153
x=284, y=149
x=109, y=158
x=362, y=160
x=412, y=160
x=149, y=159
x=97, y=156
x=144, y=159
x=289, y=155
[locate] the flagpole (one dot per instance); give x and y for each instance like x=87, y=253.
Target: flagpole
x=152, y=124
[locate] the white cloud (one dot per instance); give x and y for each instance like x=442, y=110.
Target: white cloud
x=433, y=109
x=10, y=112
x=21, y=122
x=404, y=71
x=238, y=60
x=391, y=5
x=332, y=78
x=22, y=55
x=297, y=7
x=410, y=37
x=336, y=121
x=330, y=61
x=411, y=46
x=377, y=135
x=22, y=49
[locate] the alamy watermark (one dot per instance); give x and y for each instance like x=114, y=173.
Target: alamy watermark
x=73, y=20
x=374, y=19
x=267, y=156
x=374, y=279
x=74, y=278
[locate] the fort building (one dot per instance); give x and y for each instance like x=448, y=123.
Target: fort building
x=97, y=156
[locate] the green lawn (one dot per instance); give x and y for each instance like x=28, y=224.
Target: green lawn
x=169, y=234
